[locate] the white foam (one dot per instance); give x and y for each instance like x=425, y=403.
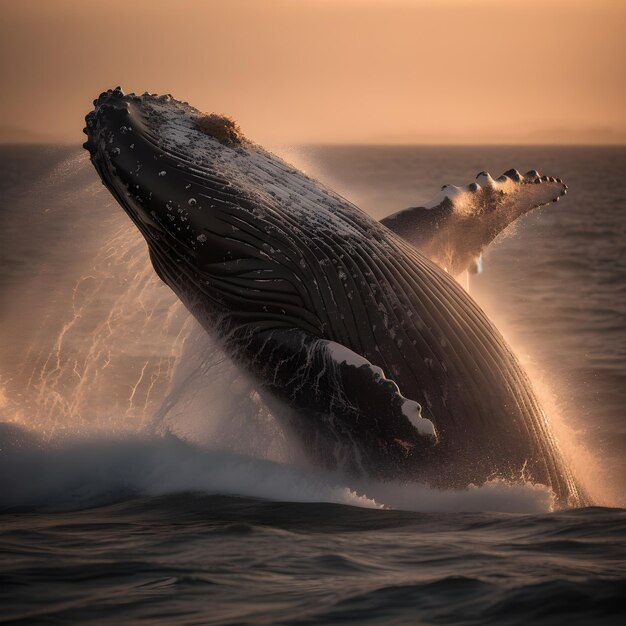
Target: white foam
x=494, y=496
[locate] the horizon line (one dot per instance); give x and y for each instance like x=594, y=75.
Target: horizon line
x=366, y=144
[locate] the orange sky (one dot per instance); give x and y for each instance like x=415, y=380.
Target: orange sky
x=358, y=71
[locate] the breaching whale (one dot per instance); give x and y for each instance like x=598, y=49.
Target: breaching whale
x=360, y=338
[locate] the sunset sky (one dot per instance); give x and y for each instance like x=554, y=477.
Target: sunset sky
x=327, y=71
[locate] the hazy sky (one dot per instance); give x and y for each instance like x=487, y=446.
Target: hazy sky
x=290, y=71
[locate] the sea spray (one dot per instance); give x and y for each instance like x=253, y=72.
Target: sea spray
x=93, y=334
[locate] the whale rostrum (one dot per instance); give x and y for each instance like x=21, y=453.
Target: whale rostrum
x=355, y=330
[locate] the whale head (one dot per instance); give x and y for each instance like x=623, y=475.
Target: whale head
x=154, y=154
x=211, y=205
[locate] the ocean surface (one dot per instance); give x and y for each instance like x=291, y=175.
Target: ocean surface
x=143, y=481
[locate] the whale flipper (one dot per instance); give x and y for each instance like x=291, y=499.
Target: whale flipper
x=459, y=223
x=332, y=395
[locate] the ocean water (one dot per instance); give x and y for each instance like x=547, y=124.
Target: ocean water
x=143, y=481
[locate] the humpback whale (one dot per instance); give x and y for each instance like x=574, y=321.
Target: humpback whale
x=355, y=330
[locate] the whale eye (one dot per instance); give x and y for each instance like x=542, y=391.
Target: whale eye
x=220, y=127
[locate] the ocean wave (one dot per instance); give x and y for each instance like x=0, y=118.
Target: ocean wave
x=76, y=472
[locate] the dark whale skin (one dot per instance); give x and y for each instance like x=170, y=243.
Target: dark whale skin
x=299, y=284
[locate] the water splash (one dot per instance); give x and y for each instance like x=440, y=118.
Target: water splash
x=108, y=356
x=98, y=334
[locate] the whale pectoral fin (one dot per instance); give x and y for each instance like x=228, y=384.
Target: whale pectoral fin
x=344, y=409
x=459, y=223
